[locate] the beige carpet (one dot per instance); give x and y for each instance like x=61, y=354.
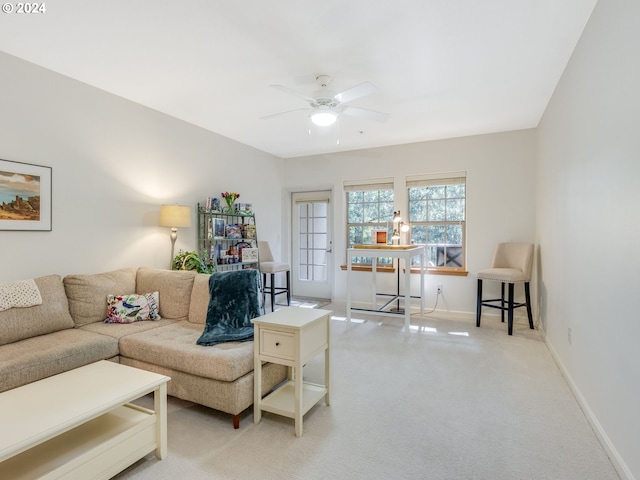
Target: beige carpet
x=448, y=401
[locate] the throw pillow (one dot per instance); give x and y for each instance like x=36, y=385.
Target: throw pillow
x=21, y=293
x=132, y=308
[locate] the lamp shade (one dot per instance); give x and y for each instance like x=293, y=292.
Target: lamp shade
x=175, y=216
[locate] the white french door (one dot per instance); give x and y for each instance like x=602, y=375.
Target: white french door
x=311, y=244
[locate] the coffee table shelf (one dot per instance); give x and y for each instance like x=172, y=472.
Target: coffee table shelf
x=79, y=424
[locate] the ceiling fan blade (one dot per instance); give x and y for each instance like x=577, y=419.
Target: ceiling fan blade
x=293, y=92
x=268, y=117
x=363, y=113
x=358, y=91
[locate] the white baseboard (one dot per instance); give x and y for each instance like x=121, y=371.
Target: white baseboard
x=617, y=461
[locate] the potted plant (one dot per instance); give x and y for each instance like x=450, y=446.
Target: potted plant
x=191, y=261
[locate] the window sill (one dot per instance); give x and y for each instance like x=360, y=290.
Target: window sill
x=367, y=268
x=435, y=271
x=416, y=270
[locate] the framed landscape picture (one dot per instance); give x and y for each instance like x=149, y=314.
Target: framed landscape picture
x=25, y=196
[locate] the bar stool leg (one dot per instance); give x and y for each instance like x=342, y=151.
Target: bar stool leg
x=502, y=304
x=272, y=291
x=264, y=289
x=288, y=288
x=479, y=303
x=527, y=299
x=510, y=316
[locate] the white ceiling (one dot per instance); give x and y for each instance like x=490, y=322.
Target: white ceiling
x=443, y=68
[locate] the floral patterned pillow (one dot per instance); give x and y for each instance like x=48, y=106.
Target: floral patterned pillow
x=132, y=308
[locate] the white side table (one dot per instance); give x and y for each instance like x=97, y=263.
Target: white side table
x=291, y=336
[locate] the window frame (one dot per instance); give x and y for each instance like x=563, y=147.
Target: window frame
x=440, y=180
x=364, y=187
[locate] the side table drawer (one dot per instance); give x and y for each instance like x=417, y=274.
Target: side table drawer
x=277, y=344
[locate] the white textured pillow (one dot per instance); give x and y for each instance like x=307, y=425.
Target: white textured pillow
x=21, y=293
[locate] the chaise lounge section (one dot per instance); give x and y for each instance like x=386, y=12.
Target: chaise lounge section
x=68, y=330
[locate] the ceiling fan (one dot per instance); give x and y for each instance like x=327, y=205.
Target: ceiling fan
x=325, y=106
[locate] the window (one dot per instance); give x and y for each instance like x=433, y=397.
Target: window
x=437, y=218
x=369, y=209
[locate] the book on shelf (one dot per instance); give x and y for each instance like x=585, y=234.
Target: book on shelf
x=248, y=230
x=233, y=231
x=249, y=254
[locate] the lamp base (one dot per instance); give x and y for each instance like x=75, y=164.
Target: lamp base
x=174, y=236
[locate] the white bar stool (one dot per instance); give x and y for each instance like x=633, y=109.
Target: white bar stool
x=511, y=264
x=269, y=266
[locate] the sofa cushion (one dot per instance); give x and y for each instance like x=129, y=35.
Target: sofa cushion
x=119, y=330
x=87, y=294
x=174, y=346
x=51, y=316
x=174, y=288
x=199, y=299
x=39, y=357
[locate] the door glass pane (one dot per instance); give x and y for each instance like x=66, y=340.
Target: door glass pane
x=320, y=240
x=304, y=272
x=302, y=225
x=320, y=224
x=320, y=209
x=312, y=255
x=320, y=257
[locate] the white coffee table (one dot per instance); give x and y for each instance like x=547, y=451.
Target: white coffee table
x=80, y=425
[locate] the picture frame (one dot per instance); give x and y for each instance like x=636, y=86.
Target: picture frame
x=379, y=237
x=218, y=228
x=242, y=208
x=25, y=196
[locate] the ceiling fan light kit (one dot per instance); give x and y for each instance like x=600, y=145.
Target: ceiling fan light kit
x=323, y=118
x=325, y=106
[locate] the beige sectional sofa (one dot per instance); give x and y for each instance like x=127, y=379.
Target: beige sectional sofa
x=68, y=330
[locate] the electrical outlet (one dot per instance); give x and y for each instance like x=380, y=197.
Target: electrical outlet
x=569, y=335
x=439, y=289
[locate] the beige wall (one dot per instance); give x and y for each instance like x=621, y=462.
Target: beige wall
x=588, y=226
x=500, y=200
x=114, y=163
x=574, y=178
